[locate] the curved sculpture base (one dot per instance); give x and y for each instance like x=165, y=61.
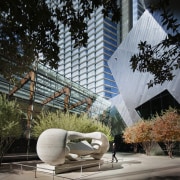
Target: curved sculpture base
x=68, y=166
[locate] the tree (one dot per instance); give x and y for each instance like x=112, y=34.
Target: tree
x=166, y=129
x=140, y=133
x=129, y=136
x=145, y=135
x=29, y=30
x=69, y=122
x=161, y=59
x=10, y=124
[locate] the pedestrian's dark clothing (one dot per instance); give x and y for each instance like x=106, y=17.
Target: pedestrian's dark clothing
x=114, y=153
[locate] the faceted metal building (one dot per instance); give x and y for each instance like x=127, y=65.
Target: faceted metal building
x=135, y=99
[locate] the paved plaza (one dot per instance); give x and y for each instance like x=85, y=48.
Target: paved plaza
x=129, y=167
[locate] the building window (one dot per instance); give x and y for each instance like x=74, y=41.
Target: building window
x=158, y=103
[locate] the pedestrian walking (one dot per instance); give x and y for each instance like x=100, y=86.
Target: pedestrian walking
x=114, y=153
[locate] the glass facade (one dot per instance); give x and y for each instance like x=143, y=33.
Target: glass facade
x=50, y=87
x=138, y=9
x=131, y=11
x=88, y=66
x=157, y=104
x=126, y=19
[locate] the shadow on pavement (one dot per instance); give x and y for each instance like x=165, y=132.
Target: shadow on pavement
x=163, y=178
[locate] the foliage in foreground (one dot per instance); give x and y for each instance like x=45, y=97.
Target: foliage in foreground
x=69, y=122
x=10, y=123
x=29, y=30
x=162, y=59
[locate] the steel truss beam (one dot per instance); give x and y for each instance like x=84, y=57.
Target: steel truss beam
x=86, y=100
x=66, y=91
x=29, y=77
x=23, y=81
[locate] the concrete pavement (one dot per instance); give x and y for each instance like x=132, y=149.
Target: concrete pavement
x=129, y=167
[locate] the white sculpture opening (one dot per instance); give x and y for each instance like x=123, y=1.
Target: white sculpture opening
x=54, y=145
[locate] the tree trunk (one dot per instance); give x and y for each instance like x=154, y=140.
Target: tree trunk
x=135, y=147
x=169, y=147
x=170, y=154
x=1, y=158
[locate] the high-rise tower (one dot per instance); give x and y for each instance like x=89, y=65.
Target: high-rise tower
x=131, y=11
x=88, y=66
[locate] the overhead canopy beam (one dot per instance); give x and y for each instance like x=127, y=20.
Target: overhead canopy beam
x=89, y=104
x=31, y=100
x=23, y=81
x=66, y=99
x=29, y=77
x=65, y=90
x=86, y=100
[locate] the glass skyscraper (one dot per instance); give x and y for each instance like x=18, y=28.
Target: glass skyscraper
x=131, y=11
x=138, y=9
x=88, y=66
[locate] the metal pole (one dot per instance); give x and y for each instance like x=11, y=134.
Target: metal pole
x=35, y=173
x=21, y=169
x=81, y=172
x=53, y=174
x=11, y=167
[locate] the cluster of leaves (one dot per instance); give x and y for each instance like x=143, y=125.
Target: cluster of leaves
x=29, y=30
x=141, y=133
x=10, y=123
x=69, y=122
x=76, y=19
x=163, y=58
x=164, y=128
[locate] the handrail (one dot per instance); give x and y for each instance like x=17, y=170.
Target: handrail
x=53, y=171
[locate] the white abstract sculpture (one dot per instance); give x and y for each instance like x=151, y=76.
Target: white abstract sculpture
x=54, y=145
